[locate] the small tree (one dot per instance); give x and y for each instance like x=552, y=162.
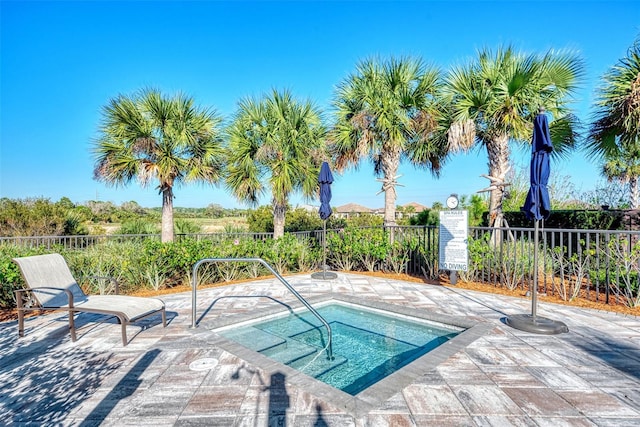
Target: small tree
x=388, y=110
x=149, y=137
x=275, y=144
x=493, y=100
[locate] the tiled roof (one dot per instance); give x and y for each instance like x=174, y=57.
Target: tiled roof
x=352, y=207
x=417, y=206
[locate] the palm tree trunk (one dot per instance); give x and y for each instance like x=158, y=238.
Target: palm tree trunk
x=498, y=154
x=279, y=212
x=390, y=164
x=167, y=215
x=633, y=192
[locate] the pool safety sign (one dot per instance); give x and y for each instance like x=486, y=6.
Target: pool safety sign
x=453, y=250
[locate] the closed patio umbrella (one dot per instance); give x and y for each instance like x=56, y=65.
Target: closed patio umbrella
x=325, y=179
x=537, y=207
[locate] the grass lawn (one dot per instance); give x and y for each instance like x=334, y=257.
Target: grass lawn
x=213, y=225
x=207, y=225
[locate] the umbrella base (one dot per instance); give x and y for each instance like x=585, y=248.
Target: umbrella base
x=324, y=275
x=536, y=325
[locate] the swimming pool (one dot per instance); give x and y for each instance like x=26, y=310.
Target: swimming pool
x=368, y=345
x=370, y=397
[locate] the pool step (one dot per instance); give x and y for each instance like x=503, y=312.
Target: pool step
x=294, y=325
x=256, y=339
x=290, y=351
x=320, y=366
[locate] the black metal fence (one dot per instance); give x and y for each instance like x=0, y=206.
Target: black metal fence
x=600, y=265
x=73, y=242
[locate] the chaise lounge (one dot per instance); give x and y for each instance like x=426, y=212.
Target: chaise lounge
x=52, y=286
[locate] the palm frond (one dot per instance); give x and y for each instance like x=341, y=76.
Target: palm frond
x=615, y=127
x=386, y=106
x=278, y=140
x=150, y=136
x=565, y=134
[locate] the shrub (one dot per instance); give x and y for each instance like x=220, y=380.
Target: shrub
x=300, y=219
x=364, y=220
x=626, y=256
x=138, y=226
x=10, y=278
x=510, y=264
x=426, y=217
x=38, y=217
x=122, y=261
x=285, y=253
x=482, y=257
x=260, y=220
x=177, y=258
x=398, y=256
x=355, y=248
x=570, y=271
x=184, y=226
x=237, y=248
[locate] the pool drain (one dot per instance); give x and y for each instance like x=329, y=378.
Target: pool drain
x=203, y=364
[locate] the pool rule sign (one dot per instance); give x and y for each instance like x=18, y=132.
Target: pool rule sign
x=454, y=229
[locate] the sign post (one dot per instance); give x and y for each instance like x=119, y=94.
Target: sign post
x=453, y=243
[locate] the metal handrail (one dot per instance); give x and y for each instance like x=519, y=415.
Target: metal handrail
x=194, y=285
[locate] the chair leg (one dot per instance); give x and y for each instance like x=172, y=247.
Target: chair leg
x=72, y=326
x=123, y=325
x=164, y=318
x=20, y=322
x=20, y=306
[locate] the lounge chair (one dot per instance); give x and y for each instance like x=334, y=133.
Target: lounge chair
x=52, y=286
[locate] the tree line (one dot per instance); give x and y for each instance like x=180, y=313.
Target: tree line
x=42, y=217
x=387, y=111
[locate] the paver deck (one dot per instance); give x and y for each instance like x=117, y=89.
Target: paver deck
x=589, y=376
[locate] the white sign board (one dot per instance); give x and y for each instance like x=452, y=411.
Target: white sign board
x=454, y=229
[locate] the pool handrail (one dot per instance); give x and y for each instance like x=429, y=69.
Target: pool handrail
x=194, y=286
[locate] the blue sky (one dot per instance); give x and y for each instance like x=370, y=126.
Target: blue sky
x=62, y=61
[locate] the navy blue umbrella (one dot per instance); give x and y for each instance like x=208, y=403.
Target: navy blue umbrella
x=325, y=179
x=537, y=206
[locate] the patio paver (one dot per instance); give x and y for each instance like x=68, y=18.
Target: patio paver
x=587, y=377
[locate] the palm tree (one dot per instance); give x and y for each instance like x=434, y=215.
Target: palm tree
x=624, y=167
x=275, y=144
x=614, y=135
x=385, y=111
x=493, y=100
x=151, y=137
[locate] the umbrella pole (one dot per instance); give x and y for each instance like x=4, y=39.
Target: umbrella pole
x=532, y=322
x=534, y=294
x=324, y=249
x=324, y=274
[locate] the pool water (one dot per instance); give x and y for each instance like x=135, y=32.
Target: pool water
x=367, y=345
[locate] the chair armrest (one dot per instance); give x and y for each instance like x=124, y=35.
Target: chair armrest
x=43, y=288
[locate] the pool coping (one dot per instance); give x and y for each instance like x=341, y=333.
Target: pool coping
x=375, y=395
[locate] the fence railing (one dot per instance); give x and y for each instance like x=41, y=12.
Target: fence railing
x=85, y=241
x=73, y=242
x=600, y=265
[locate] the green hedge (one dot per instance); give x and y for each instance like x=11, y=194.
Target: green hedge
x=149, y=264
x=576, y=219
x=10, y=278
